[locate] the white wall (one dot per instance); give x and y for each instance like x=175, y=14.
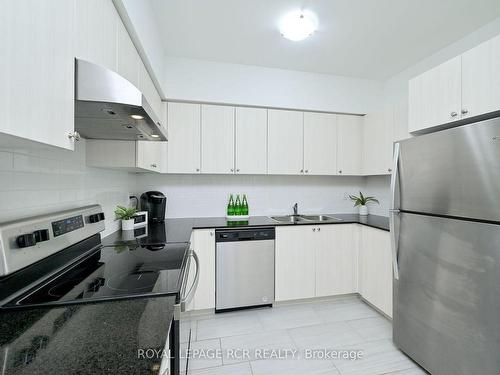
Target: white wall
x=207, y=195
x=198, y=80
x=38, y=179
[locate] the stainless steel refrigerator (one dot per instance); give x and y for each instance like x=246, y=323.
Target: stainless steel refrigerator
x=445, y=227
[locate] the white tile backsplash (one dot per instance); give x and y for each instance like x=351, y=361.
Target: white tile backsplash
x=207, y=195
x=380, y=187
x=36, y=180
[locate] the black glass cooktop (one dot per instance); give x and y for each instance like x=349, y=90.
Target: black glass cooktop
x=129, y=269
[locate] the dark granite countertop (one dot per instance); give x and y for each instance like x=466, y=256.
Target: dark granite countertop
x=104, y=337
x=179, y=230
x=93, y=338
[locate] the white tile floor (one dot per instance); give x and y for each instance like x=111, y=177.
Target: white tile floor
x=344, y=323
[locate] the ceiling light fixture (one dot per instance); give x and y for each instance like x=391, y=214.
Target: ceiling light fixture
x=298, y=25
x=137, y=117
x=155, y=136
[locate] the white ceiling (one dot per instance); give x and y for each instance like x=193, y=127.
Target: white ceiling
x=372, y=39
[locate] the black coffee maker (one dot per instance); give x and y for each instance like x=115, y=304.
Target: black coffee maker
x=155, y=203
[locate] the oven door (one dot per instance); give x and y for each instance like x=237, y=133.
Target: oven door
x=183, y=324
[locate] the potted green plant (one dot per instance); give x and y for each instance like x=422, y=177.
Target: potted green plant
x=362, y=202
x=126, y=215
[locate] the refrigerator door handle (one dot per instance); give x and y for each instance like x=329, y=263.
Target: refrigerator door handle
x=394, y=243
x=395, y=178
x=394, y=210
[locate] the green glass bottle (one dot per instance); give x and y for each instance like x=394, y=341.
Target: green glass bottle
x=244, y=204
x=230, y=206
x=237, y=205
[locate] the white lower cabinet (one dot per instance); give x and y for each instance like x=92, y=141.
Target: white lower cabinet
x=329, y=260
x=375, y=268
x=315, y=261
x=203, y=243
x=336, y=259
x=295, y=263
x=311, y=261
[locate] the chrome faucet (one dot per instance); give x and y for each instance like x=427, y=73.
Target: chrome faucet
x=295, y=209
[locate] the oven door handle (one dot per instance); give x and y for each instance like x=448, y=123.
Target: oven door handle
x=190, y=294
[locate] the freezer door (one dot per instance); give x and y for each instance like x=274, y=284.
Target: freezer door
x=454, y=172
x=447, y=297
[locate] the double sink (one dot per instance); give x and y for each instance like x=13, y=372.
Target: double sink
x=304, y=218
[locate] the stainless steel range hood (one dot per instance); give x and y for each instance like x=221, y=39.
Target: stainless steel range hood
x=107, y=106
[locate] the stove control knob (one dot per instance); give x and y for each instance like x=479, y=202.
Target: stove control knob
x=41, y=235
x=26, y=240
x=95, y=218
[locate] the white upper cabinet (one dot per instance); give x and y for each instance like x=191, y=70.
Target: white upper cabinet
x=37, y=70
x=465, y=86
x=152, y=156
x=481, y=79
x=134, y=156
x=217, y=139
x=96, y=32
x=349, y=145
x=148, y=89
x=400, y=126
x=320, y=143
x=40, y=40
x=285, y=142
x=378, y=138
x=184, y=137
x=127, y=58
x=251, y=140
x=495, y=73
x=435, y=96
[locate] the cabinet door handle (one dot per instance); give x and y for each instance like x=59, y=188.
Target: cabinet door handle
x=197, y=169
x=314, y=229
x=389, y=169
x=153, y=165
x=307, y=170
x=453, y=114
x=301, y=171
x=340, y=171
x=319, y=229
x=232, y=169
x=464, y=111
x=237, y=170
x=75, y=136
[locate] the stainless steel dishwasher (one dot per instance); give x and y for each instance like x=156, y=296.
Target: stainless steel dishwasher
x=244, y=271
